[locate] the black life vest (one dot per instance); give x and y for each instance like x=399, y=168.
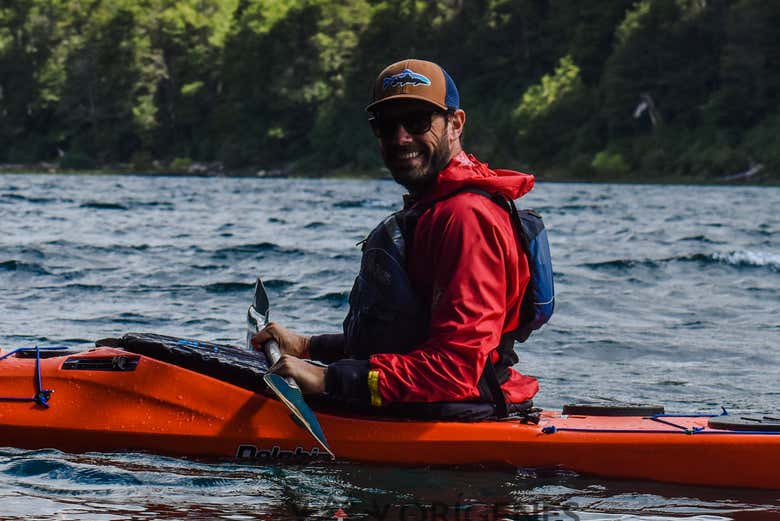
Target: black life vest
x=385, y=313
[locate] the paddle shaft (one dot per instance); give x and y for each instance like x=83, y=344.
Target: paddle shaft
x=273, y=353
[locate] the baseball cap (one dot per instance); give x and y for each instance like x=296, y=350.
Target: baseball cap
x=415, y=79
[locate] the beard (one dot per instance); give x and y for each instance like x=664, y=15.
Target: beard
x=420, y=178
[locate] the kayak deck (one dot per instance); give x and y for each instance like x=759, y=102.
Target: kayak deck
x=109, y=399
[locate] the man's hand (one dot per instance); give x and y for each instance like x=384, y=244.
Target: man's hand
x=290, y=343
x=309, y=377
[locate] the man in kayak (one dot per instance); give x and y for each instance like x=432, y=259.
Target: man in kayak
x=441, y=282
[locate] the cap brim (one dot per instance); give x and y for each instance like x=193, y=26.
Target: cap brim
x=375, y=104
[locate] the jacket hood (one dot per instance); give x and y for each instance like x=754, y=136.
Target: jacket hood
x=465, y=170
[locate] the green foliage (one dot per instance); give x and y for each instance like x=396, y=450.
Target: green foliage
x=610, y=164
x=552, y=120
x=539, y=99
x=548, y=86
x=181, y=164
x=99, y=102
x=633, y=21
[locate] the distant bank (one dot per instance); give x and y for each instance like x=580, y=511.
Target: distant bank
x=756, y=175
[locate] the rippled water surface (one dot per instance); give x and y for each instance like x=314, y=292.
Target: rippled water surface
x=666, y=294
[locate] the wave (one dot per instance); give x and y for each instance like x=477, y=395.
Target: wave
x=261, y=247
x=749, y=259
x=23, y=267
x=622, y=264
x=25, y=251
x=349, y=204
x=364, y=203
x=596, y=208
x=102, y=248
x=79, y=287
x=228, y=287
x=102, y=205
x=121, y=318
x=701, y=239
x=34, y=200
x=335, y=299
x=153, y=204
x=277, y=284
x=736, y=259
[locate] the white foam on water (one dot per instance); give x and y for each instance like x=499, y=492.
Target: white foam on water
x=750, y=258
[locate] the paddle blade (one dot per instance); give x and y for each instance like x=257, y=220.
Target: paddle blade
x=260, y=301
x=257, y=314
x=293, y=399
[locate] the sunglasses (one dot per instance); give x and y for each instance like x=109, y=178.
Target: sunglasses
x=417, y=122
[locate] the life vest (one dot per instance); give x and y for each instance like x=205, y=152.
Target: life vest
x=387, y=316
x=385, y=313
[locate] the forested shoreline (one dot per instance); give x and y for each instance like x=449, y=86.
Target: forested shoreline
x=618, y=90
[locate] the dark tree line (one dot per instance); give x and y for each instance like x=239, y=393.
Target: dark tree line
x=588, y=89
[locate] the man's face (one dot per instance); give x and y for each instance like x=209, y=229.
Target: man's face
x=414, y=139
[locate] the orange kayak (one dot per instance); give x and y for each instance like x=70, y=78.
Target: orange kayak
x=110, y=399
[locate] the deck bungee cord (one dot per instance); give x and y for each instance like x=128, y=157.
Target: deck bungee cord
x=42, y=396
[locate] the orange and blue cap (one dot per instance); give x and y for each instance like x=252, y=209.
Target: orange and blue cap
x=417, y=80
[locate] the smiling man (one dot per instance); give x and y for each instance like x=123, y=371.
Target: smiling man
x=438, y=301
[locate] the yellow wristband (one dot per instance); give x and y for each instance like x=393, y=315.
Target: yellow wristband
x=373, y=388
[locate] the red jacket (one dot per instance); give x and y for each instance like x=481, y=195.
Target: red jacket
x=464, y=260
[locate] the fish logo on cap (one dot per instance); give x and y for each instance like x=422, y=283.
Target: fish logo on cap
x=405, y=77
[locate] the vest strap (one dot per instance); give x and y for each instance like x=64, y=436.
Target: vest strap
x=494, y=375
x=488, y=385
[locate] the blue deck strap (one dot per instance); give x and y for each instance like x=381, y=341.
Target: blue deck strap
x=42, y=396
x=195, y=344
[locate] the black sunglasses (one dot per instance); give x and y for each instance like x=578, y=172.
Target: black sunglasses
x=416, y=122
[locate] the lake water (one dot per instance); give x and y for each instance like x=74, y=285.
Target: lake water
x=665, y=294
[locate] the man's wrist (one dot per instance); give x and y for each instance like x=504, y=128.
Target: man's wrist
x=348, y=380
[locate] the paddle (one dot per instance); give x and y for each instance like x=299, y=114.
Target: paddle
x=285, y=388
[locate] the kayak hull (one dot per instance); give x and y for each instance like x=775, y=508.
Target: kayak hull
x=162, y=408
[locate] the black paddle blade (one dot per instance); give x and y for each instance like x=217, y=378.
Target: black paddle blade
x=257, y=314
x=260, y=301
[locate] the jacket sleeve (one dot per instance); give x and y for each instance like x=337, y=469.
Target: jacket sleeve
x=466, y=255
x=327, y=348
